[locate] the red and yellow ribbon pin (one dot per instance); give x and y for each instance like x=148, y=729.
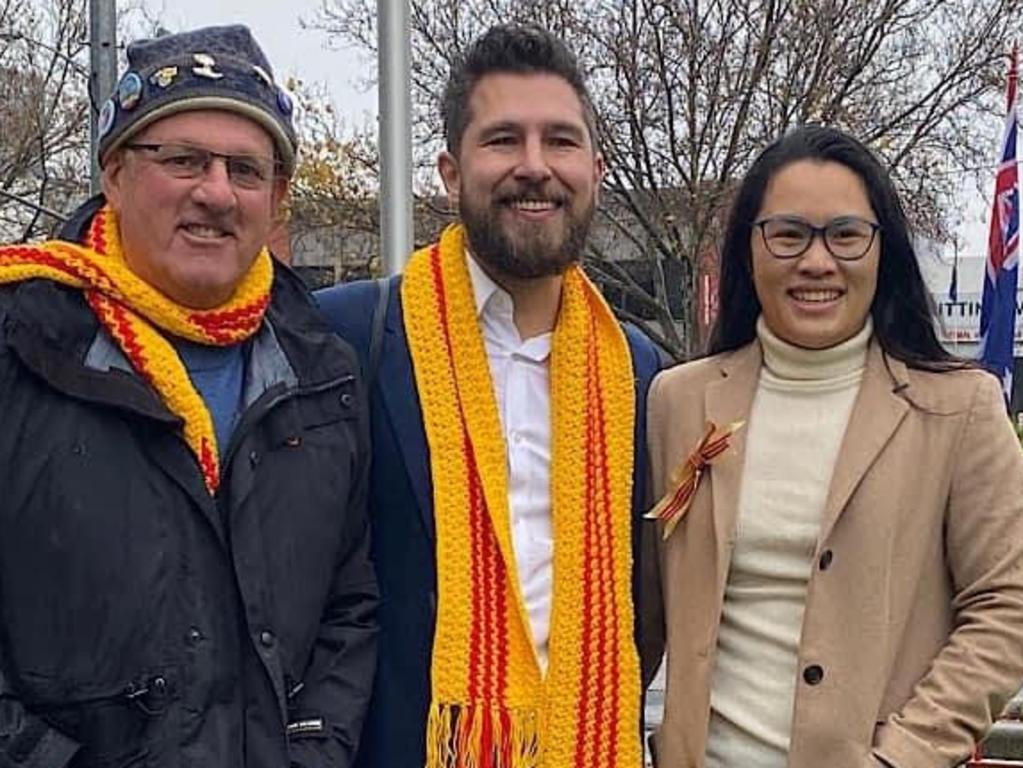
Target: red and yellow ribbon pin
x=674, y=505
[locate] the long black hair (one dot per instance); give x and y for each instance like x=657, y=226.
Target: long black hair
x=902, y=309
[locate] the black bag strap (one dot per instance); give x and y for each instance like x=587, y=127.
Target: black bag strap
x=376, y=338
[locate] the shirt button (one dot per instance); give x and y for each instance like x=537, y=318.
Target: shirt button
x=826, y=557
x=266, y=637
x=813, y=674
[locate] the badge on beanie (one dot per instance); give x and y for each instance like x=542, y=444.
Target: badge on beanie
x=107, y=114
x=204, y=66
x=284, y=103
x=263, y=75
x=129, y=91
x=162, y=78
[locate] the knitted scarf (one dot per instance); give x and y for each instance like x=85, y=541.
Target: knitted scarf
x=136, y=315
x=492, y=707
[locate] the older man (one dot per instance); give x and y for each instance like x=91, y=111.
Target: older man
x=183, y=559
x=508, y=464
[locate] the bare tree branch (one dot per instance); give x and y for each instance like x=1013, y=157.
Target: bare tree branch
x=689, y=91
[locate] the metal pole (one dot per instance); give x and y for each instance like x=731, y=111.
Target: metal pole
x=102, y=72
x=395, y=133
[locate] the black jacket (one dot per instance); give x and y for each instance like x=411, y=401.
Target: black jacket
x=143, y=623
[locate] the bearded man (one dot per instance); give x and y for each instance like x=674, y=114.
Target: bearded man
x=184, y=570
x=508, y=469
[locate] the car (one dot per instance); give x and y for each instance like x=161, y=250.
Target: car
x=1003, y=745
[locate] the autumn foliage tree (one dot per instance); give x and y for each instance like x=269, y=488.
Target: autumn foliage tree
x=688, y=91
x=333, y=204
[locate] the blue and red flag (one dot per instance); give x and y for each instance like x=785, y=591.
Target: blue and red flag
x=998, y=308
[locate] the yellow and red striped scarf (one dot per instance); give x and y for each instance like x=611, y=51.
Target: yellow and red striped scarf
x=492, y=707
x=135, y=313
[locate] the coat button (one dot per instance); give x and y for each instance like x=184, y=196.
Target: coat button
x=193, y=636
x=267, y=639
x=346, y=399
x=813, y=674
x=826, y=557
x=254, y=458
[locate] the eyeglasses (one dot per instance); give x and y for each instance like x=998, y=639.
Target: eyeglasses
x=847, y=238
x=183, y=161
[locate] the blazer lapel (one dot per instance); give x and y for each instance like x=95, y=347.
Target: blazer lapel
x=876, y=414
x=727, y=400
x=398, y=386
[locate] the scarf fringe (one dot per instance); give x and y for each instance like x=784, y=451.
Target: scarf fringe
x=481, y=736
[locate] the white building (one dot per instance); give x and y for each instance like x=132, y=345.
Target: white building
x=959, y=320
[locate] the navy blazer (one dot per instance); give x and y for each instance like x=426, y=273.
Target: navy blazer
x=401, y=514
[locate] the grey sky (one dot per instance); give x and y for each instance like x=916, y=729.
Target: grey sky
x=292, y=51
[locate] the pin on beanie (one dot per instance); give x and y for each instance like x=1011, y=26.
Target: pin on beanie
x=209, y=68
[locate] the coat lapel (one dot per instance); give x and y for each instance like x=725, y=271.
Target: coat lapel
x=401, y=399
x=876, y=414
x=727, y=400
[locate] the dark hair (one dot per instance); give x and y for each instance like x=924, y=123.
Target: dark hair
x=508, y=48
x=902, y=309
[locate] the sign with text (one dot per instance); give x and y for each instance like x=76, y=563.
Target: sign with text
x=960, y=320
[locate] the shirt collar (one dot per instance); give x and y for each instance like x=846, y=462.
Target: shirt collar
x=484, y=289
x=495, y=312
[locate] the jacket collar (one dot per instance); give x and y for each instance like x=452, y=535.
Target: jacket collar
x=401, y=399
x=880, y=405
x=727, y=400
x=58, y=338
x=294, y=324
x=52, y=330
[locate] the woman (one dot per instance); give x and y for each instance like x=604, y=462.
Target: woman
x=846, y=588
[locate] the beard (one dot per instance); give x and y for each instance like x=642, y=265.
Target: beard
x=522, y=250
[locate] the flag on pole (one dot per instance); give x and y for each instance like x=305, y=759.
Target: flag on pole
x=998, y=307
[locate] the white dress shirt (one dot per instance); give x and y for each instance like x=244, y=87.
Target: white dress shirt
x=521, y=375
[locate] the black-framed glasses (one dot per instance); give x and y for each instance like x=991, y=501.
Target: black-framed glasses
x=847, y=238
x=184, y=161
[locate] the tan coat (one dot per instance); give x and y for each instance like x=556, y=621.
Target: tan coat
x=914, y=610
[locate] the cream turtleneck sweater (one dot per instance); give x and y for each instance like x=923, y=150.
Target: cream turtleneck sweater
x=799, y=414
